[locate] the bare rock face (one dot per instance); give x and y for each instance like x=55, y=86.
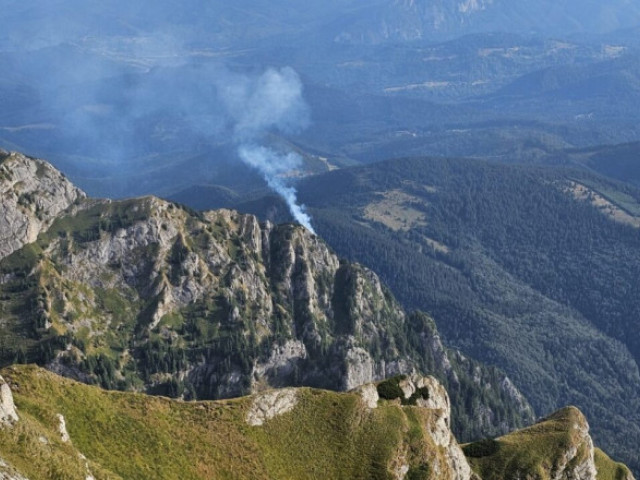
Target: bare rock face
x=369, y=395
x=360, y=367
x=8, y=414
x=282, y=363
x=577, y=461
x=454, y=465
x=33, y=193
x=62, y=429
x=271, y=404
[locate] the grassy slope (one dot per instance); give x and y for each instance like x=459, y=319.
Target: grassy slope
x=327, y=435
x=134, y=436
x=609, y=469
x=533, y=450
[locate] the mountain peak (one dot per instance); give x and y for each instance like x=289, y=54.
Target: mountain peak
x=33, y=194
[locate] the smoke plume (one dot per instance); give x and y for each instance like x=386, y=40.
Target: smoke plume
x=122, y=94
x=272, y=102
x=272, y=166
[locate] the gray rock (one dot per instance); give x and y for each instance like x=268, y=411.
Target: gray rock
x=270, y=405
x=8, y=414
x=7, y=472
x=33, y=194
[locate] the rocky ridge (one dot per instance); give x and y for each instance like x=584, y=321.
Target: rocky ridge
x=144, y=294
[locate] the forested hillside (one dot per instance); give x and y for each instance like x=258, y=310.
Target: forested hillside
x=532, y=269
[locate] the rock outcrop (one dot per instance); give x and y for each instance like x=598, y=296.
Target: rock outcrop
x=62, y=429
x=428, y=394
x=577, y=462
x=558, y=447
x=271, y=404
x=33, y=194
x=7, y=472
x=8, y=414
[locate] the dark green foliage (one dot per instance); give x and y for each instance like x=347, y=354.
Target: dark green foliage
x=482, y=448
x=421, y=472
x=26, y=199
x=157, y=356
x=343, y=298
x=390, y=388
x=178, y=255
x=420, y=393
x=88, y=224
x=104, y=369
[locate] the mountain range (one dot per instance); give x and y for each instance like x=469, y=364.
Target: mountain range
x=478, y=155
x=123, y=98
x=146, y=295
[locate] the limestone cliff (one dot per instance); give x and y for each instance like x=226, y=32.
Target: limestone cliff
x=445, y=458
x=8, y=414
x=144, y=294
x=33, y=194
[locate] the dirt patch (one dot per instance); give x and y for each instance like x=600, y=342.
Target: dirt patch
x=584, y=193
x=437, y=246
x=396, y=210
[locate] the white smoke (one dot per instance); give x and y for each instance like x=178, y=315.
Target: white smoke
x=272, y=102
x=273, y=166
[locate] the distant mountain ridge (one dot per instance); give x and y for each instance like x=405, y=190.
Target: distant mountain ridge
x=415, y=20
x=351, y=21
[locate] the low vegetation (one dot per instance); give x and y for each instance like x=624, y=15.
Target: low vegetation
x=542, y=451
x=134, y=436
